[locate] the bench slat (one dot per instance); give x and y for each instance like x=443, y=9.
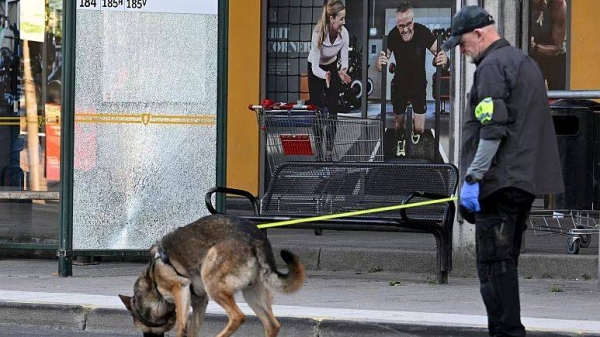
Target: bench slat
x=301, y=188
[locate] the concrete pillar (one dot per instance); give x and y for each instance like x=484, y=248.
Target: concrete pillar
x=462, y=72
x=507, y=14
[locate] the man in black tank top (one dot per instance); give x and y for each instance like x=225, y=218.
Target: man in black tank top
x=547, y=43
x=409, y=41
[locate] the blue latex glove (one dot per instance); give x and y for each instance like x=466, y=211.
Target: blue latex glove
x=469, y=196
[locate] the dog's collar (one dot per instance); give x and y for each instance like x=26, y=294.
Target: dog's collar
x=162, y=255
x=147, y=322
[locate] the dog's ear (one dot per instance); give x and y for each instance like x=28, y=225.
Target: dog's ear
x=126, y=300
x=153, y=251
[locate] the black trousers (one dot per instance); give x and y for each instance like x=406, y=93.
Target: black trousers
x=554, y=69
x=324, y=97
x=498, y=236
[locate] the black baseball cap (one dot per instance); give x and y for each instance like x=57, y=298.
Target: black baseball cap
x=467, y=20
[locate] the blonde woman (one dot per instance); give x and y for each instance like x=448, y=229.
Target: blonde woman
x=329, y=39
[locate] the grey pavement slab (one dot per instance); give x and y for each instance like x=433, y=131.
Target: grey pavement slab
x=543, y=256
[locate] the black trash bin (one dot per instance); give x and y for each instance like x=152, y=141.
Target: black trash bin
x=575, y=122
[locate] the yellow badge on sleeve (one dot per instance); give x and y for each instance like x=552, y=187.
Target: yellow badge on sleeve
x=484, y=110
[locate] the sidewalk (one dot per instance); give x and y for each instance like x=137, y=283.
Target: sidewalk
x=340, y=303
x=543, y=257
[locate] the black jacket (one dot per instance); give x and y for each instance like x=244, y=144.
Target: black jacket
x=528, y=154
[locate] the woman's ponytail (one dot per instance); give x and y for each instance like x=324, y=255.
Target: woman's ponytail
x=321, y=26
x=331, y=8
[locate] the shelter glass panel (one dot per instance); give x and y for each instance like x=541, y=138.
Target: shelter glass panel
x=145, y=115
x=30, y=103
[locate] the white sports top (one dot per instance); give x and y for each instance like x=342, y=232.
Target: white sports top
x=328, y=52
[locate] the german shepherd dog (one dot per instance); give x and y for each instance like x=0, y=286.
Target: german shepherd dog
x=215, y=256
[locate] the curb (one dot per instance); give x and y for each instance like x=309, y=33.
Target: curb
x=51, y=315
x=113, y=320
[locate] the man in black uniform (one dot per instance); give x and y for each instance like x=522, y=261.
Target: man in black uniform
x=409, y=42
x=510, y=150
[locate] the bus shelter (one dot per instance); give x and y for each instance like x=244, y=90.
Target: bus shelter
x=140, y=113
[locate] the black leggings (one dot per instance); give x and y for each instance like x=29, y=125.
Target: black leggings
x=554, y=70
x=324, y=97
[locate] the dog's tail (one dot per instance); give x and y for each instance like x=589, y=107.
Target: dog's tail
x=293, y=280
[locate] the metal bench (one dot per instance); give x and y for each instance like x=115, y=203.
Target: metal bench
x=307, y=189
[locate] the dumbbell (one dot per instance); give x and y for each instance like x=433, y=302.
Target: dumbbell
x=392, y=68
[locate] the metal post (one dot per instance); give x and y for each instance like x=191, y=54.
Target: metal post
x=365, y=55
x=65, y=246
x=438, y=102
x=222, y=55
x=383, y=90
x=574, y=94
x=262, y=139
x=408, y=128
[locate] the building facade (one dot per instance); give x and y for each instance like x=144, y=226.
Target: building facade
x=267, y=45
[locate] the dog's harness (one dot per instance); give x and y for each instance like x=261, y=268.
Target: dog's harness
x=162, y=255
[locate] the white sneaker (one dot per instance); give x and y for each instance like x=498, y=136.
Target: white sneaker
x=415, y=137
x=400, y=150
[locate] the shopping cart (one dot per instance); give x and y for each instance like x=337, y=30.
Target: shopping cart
x=579, y=225
x=298, y=132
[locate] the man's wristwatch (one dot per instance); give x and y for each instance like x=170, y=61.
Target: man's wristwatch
x=471, y=180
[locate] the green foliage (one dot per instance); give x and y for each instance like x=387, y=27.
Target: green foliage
x=556, y=288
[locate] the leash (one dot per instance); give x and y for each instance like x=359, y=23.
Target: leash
x=354, y=213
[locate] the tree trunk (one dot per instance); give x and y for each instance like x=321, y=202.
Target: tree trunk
x=32, y=120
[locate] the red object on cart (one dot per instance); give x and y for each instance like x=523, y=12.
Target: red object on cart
x=296, y=145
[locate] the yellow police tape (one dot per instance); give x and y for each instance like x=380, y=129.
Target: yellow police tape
x=354, y=213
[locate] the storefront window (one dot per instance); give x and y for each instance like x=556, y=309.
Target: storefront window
x=292, y=75
x=30, y=82
x=548, y=40
x=406, y=32
x=289, y=31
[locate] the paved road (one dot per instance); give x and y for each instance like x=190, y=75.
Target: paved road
x=27, y=331
x=31, y=331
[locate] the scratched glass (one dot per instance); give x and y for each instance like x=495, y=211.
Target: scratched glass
x=145, y=130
